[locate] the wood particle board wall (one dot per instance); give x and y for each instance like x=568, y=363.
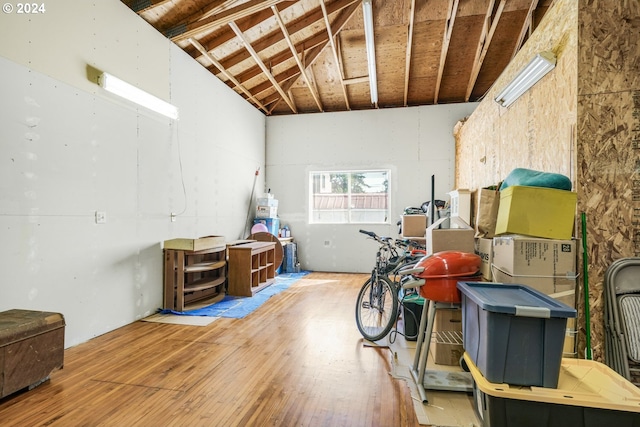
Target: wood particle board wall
x=538, y=131
x=608, y=143
x=582, y=120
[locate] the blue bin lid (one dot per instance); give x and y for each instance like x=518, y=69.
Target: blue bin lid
x=519, y=300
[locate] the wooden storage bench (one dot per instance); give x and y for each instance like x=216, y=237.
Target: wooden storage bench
x=31, y=347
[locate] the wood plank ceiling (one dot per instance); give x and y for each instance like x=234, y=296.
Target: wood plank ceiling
x=306, y=56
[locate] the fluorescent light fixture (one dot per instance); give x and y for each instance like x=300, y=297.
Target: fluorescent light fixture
x=527, y=77
x=367, y=10
x=128, y=91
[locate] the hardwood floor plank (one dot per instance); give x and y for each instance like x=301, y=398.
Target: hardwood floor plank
x=296, y=361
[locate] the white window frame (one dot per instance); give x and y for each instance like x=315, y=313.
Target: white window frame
x=350, y=214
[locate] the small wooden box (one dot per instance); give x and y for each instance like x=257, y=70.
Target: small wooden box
x=31, y=347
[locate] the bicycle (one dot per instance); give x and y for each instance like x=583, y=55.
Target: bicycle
x=377, y=306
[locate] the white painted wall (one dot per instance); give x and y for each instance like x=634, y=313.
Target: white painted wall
x=68, y=149
x=414, y=143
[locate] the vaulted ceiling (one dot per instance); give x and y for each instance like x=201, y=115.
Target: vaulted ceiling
x=306, y=56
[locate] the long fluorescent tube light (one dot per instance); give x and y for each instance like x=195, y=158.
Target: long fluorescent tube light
x=367, y=10
x=527, y=77
x=128, y=91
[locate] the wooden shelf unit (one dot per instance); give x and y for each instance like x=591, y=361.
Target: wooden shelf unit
x=251, y=268
x=193, y=275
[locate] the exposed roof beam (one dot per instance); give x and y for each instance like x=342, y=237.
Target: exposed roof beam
x=226, y=17
x=525, y=26
x=313, y=53
x=228, y=75
x=224, y=34
x=295, y=55
x=175, y=27
x=488, y=30
x=356, y=80
x=141, y=6
x=451, y=17
x=334, y=50
x=407, y=61
x=261, y=64
x=277, y=36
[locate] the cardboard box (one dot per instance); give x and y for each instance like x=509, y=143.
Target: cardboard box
x=537, y=212
x=569, y=349
x=460, y=205
x=546, y=265
x=266, y=212
x=449, y=239
x=484, y=249
x=448, y=337
x=200, y=244
x=267, y=201
x=414, y=225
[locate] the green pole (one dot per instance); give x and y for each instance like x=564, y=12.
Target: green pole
x=585, y=276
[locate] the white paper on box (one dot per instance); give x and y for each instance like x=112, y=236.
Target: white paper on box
x=266, y=212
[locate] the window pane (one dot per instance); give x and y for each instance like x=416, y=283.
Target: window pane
x=349, y=197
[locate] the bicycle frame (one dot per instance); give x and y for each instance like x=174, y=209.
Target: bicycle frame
x=375, y=315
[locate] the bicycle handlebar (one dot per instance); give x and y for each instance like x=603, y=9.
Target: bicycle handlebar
x=369, y=233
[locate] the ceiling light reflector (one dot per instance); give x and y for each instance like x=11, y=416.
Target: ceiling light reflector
x=367, y=9
x=539, y=66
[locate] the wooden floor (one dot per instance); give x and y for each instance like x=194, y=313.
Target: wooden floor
x=296, y=361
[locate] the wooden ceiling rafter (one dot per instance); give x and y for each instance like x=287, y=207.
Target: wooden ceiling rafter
x=141, y=6
x=407, y=63
x=334, y=50
x=526, y=25
x=295, y=55
x=224, y=18
x=277, y=36
x=488, y=30
x=262, y=65
x=451, y=18
x=313, y=53
x=176, y=27
x=292, y=40
x=224, y=34
x=228, y=75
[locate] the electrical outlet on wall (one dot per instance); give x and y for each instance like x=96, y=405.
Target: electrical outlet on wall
x=101, y=217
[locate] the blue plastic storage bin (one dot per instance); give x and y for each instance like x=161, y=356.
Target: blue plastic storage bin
x=514, y=334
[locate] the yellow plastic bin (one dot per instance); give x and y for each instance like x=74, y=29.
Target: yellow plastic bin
x=589, y=394
x=536, y=211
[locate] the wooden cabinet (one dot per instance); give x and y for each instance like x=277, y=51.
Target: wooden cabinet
x=251, y=267
x=193, y=275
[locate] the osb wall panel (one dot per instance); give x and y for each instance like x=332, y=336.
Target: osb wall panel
x=538, y=130
x=608, y=193
x=608, y=145
x=610, y=53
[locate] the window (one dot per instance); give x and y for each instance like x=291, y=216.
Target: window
x=349, y=197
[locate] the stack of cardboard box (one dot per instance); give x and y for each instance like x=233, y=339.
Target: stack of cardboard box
x=532, y=245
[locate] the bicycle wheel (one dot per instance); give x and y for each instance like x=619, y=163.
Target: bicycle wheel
x=376, y=308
